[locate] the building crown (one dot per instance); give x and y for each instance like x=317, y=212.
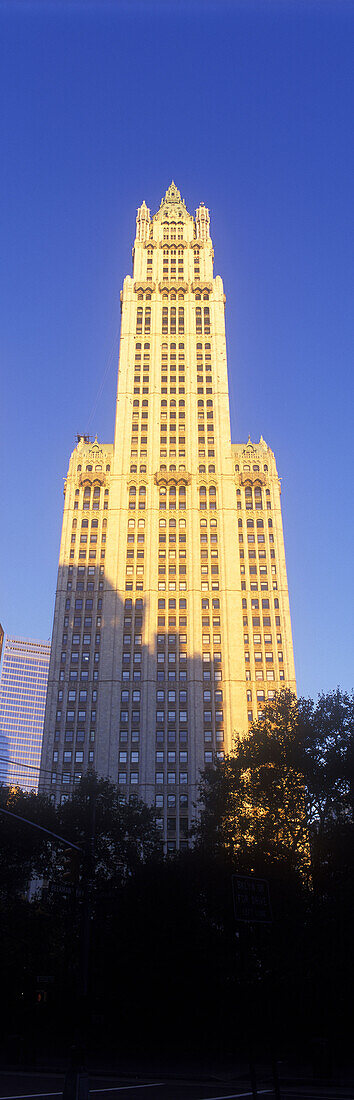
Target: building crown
x=172, y=205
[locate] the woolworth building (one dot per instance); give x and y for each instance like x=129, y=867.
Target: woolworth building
x=172, y=624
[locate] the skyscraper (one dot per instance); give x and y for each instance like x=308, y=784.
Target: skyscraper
x=23, y=688
x=172, y=623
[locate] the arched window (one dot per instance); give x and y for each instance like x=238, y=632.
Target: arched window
x=201, y=469
x=255, y=468
x=89, y=468
x=211, y=469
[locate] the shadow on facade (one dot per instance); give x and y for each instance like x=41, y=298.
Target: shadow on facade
x=135, y=714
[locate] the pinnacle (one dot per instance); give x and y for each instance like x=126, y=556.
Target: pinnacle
x=172, y=193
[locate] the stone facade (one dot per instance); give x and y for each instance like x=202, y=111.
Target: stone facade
x=172, y=622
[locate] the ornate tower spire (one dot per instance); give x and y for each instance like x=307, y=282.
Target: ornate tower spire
x=142, y=222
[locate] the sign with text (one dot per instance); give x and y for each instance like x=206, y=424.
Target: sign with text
x=251, y=899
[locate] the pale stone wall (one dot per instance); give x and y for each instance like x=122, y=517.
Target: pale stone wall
x=172, y=387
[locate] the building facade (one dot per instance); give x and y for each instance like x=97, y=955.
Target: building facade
x=172, y=623
x=23, y=689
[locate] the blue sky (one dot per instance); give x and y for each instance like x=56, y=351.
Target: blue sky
x=248, y=106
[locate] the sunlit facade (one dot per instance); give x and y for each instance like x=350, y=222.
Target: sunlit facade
x=23, y=688
x=172, y=623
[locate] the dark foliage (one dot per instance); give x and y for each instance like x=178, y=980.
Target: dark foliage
x=169, y=969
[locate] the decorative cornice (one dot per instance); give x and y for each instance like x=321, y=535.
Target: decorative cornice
x=92, y=476
x=172, y=477
x=246, y=476
x=173, y=244
x=173, y=284
x=199, y=285
x=141, y=285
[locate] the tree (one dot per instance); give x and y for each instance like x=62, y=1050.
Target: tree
x=122, y=835
x=254, y=802
x=24, y=851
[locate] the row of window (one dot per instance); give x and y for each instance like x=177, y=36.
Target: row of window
x=255, y=468
x=90, y=468
x=172, y=778
x=82, y=694
x=161, y=800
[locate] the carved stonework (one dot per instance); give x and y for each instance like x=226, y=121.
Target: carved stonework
x=252, y=476
x=172, y=477
x=172, y=206
x=174, y=244
x=144, y=286
x=91, y=477
x=173, y=284
x=198, y=285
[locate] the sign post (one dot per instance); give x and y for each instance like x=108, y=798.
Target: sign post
x=251, y=899
x=251, y=906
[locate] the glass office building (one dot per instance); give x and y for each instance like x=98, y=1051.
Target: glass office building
x=23, y=689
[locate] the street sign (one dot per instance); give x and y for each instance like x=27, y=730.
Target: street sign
x=251, y=899
x=65, y=888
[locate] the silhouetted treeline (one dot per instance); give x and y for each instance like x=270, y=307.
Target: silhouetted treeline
x=170, y=970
